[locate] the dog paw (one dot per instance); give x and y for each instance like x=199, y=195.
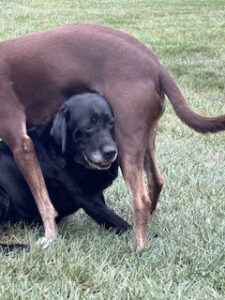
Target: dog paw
x=51, y=233
x=45, y=242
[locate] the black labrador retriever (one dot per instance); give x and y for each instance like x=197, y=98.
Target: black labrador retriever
x=77, y=154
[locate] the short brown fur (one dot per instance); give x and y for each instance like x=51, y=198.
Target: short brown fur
x=37, y=73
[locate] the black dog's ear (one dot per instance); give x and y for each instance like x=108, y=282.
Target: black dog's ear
x=58, y=131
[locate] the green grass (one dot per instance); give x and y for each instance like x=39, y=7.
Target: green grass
x=187, y=259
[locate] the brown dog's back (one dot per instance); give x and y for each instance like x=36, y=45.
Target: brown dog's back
x=48, y=65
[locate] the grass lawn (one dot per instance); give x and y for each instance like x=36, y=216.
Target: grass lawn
x=187, y=259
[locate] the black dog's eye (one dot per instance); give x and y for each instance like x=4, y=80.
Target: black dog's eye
x=90, y=127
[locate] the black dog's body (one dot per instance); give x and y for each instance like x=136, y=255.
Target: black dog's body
x=71, y=182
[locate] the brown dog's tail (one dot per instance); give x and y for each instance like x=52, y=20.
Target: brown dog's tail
x=194, y=120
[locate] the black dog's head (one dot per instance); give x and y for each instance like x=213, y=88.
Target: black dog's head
x=84, y=127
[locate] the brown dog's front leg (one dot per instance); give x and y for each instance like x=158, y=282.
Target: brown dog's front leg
x=28, y=164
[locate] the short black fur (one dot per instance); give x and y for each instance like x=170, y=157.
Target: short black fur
x=77, y=154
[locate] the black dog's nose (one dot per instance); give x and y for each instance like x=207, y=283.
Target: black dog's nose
x=109, y=152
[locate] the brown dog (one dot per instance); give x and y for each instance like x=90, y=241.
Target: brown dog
x=39, y=71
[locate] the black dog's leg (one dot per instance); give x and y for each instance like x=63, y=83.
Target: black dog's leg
x=103, y=215
x=4, y=207
x=94, y=206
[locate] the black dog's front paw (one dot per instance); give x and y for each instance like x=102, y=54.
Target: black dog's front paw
x=117, y=223
x=123, y=227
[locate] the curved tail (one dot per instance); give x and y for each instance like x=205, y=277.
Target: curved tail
x=194, y=120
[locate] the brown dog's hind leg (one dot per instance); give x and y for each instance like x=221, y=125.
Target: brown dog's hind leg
x=15, y=136
x=154, y=178
x=132, y=169
x=136, y=106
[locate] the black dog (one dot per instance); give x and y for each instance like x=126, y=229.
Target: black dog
x=77, y=154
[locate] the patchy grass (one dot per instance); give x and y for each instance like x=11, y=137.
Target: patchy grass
x=187, y=259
